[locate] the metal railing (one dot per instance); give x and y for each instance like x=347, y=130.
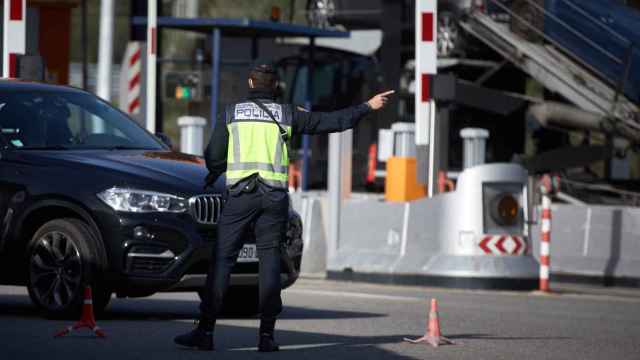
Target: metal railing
x=617, y=84
x=629, y=198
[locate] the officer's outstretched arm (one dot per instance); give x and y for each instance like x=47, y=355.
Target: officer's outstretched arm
x=305, y=122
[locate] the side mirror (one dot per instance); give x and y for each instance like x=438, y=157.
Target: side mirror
x=165, y=139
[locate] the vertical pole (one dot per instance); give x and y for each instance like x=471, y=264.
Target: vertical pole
x=254, y=48
x=305, y=138
x=292, y=10
x=152, y=33
x=14, y=35
x=426, y=14
x=105, y=50
x=334, y=184
x=85, y=44
x=545, y=239
x=215, y=74
x=159, y=104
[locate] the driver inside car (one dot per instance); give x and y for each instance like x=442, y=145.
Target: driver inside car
x=53, y=118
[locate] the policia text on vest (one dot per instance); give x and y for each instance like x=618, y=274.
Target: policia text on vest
x=248, y=146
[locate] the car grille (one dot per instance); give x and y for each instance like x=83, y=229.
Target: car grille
x=206, y=209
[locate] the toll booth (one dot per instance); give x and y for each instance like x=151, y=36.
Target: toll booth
x=219, y=28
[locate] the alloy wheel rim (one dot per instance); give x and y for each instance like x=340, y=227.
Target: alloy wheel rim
x=55, y=270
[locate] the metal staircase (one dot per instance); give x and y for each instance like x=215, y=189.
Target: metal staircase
x=555, y=67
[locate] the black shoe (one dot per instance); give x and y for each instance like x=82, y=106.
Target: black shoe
x=198, y=338
x=267, y=344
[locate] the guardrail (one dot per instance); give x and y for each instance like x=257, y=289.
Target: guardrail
x=617, y=84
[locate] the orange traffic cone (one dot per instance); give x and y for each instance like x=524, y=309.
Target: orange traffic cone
x=433, y=335
x=87, y=320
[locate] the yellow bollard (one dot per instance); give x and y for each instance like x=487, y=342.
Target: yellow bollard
x=401, y=183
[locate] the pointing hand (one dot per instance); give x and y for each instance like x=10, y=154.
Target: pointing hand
x=379, y=101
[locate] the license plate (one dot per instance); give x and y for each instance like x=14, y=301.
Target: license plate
x=248, y=253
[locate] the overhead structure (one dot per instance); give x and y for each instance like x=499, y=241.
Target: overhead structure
x=237, y=28
x=14, y=35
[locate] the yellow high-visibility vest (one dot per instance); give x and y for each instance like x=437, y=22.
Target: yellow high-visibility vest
x=255, y=143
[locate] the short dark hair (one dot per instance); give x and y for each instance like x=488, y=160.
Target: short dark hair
x=263, y=76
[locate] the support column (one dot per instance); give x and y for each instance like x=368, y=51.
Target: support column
x=84, y=39
x=152, y=34
x=105, y=50
x=308, y=105
x=426, y=66
x=334, y=184
x=215, y=74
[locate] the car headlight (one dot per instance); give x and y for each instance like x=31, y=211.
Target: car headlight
x=505, y=209
x=140, y=201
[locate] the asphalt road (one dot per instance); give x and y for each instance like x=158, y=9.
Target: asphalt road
x=337, y=320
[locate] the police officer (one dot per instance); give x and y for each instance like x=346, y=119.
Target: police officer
x=249, y=142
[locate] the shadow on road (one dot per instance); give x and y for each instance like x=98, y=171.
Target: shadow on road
x=168, y=309
x=144, y=328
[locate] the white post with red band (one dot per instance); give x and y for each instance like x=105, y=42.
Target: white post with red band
x=426, y=65
x=152, y=33
x=545, y=242
x=14, y=36
x=548, y=186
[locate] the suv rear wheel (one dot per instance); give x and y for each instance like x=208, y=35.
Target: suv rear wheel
x=63, y=258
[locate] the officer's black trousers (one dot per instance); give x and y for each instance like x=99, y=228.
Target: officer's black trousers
x=267, y=208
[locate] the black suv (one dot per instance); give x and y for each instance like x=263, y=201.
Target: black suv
x=88, y=197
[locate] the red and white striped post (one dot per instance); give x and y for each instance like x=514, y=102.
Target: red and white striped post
x=14, y=35
x=132, y=71
x=426, y=66
x=545, y=242
x=548, y=186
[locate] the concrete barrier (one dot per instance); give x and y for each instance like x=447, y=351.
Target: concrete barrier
x=598, y=242
x=398, y=242
x=314, y=236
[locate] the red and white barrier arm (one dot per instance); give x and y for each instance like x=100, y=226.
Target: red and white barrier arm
x=14, y=35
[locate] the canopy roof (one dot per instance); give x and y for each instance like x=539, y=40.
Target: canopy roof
x=242, y=27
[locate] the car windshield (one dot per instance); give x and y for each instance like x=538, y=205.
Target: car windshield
x=68, y=120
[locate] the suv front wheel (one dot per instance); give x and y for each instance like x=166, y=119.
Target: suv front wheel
x=63, y=258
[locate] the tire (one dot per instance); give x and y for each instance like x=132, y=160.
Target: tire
x=239, y=301
x=63, y=257
x=533, y=18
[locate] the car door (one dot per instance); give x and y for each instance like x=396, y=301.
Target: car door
x=11, y=132
x=3, y=188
